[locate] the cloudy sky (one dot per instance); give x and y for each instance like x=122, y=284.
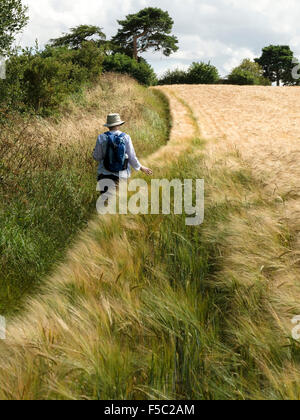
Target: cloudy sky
x=221, y=31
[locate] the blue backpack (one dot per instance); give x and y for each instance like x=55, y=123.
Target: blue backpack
x=115, y=159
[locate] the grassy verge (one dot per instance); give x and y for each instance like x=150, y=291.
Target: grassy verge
x=47, y=173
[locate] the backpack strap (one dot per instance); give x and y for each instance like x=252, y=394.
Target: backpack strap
x=112, y=137
x=120, y=135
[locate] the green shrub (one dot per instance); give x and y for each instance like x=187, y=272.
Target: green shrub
x=121, y=63
x=46, y=83
x=42, y=81
x=248, y=73
x=88, y=58
x=242, y=77
x=198, y=73
x=173, y=77
x=202, y=73
x=11, y=88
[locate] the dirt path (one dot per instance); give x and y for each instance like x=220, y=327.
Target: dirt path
x=182, y=132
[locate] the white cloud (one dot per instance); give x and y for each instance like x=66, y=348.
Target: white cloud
x=221, y=31
x=236, y=57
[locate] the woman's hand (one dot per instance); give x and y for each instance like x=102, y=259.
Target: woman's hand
x=146, y=171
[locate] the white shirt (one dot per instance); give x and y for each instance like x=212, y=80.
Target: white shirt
x=100, y=152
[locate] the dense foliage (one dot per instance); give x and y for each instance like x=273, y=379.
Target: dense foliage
x=140, y=70
x=277, y=62
x=150, y=28
x=13, y=18
x=198, y=73
x=248, y=73
x=79, y=36
x=173, y=77
x=202, y=73
x=42, y=80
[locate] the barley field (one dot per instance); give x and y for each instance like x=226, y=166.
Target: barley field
x=262, y=123
x=262, y=126
x=181, y=312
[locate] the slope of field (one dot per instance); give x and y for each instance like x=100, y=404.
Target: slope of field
x=176, y=311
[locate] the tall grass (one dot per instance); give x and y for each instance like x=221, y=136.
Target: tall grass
x=147, y=307
x=47, y=177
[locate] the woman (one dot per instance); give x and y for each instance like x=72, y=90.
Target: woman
x=114, y=124
x=114, y=149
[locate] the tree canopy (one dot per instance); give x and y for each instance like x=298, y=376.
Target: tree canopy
x=202, y=73
x=197, y=73
x=277, y=63
x=248, y=73
x=13, y=18
x=147, y=29
x=78, y=36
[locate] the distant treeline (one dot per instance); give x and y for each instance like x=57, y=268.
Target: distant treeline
x=41, y=81
x=276, y=64
x=248, y=73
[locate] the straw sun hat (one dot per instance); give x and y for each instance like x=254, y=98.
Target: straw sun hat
x=113, y=120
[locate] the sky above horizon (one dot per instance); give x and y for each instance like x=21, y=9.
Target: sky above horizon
x=220, y=31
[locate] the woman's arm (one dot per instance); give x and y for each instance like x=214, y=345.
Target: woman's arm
x=98, y=151
x=146, y=171
x=133, y=160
